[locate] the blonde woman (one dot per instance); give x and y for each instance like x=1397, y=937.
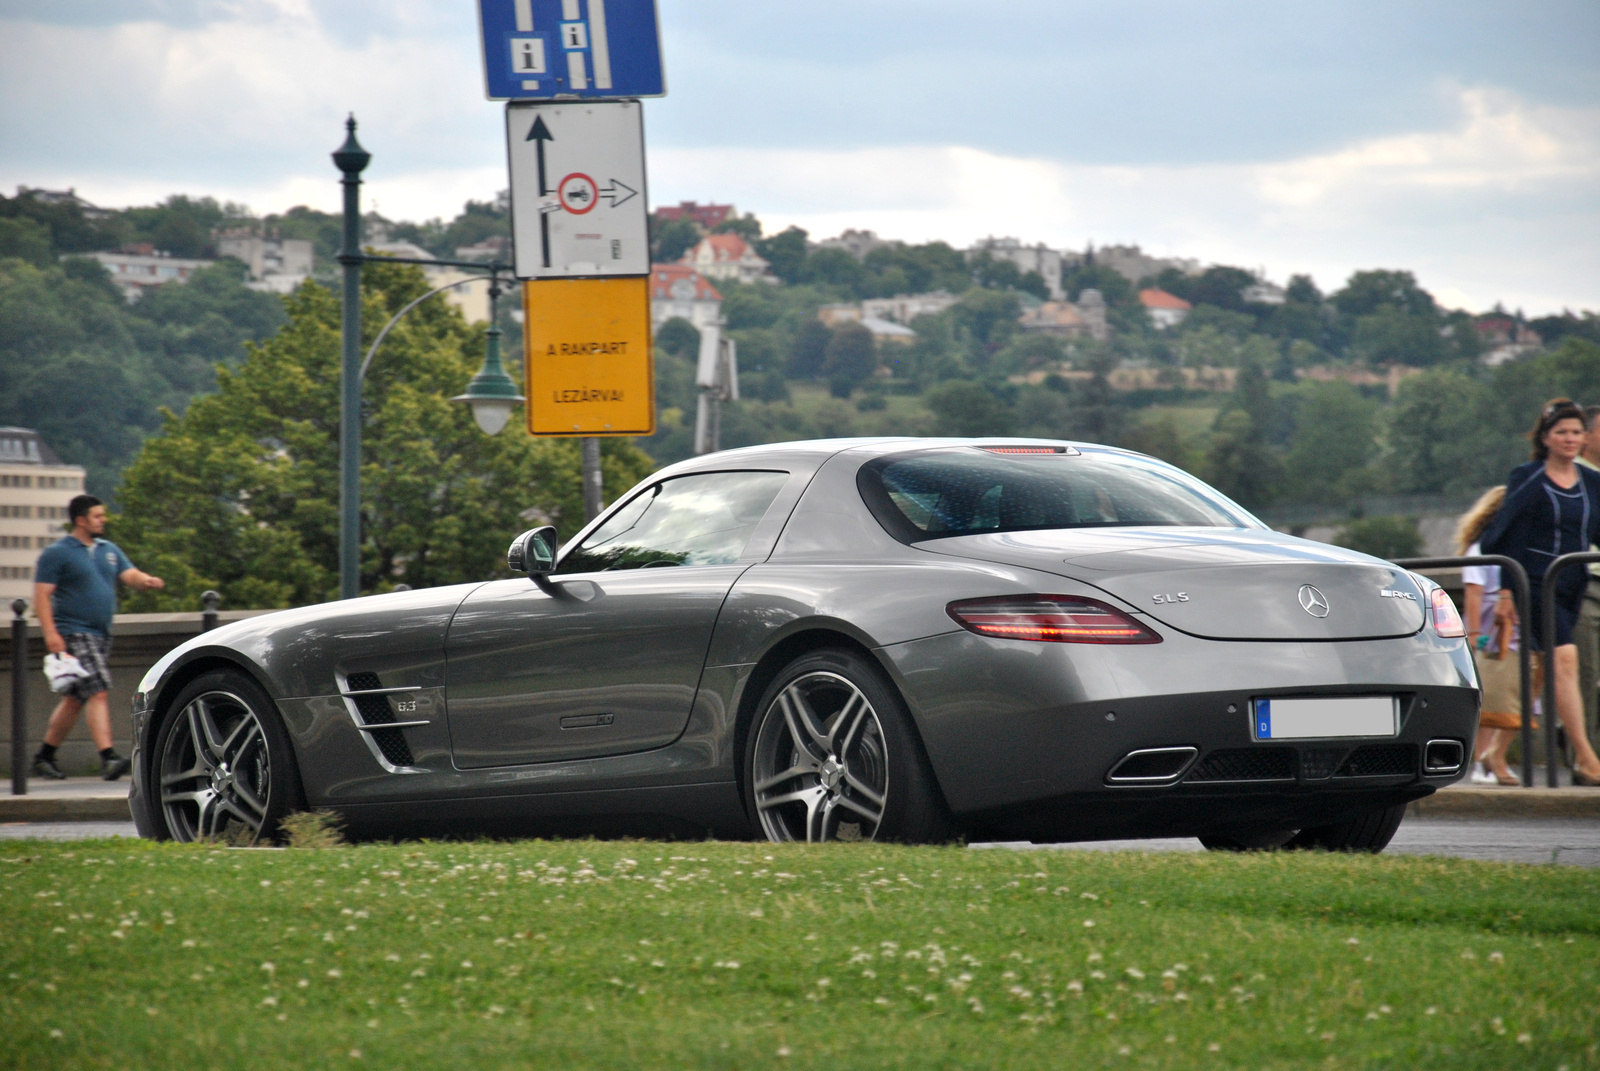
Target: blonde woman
x=1493, y=643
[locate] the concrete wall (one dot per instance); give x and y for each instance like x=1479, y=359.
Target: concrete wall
x=138, y=642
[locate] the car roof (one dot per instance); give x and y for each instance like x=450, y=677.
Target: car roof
x=816, y=451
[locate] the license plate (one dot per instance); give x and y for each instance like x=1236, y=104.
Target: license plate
x=1326, y=718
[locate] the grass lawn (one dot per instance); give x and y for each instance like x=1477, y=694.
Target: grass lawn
x=632, y=954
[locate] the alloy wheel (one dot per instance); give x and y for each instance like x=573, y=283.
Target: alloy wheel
x=216, y=771
x=821, y=770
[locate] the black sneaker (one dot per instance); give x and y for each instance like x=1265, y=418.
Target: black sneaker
x=115, y=767
x=48, y=769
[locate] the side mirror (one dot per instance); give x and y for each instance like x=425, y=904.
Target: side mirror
x=533, y=552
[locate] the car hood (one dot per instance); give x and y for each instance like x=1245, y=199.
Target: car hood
x=1226, y=584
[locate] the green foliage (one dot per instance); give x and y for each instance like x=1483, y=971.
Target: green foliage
x=679, y=337
x=746, y=226
x=650, y=955
x=670, y=239
x=1366, y=292
x=1331, y=442
x=850, y=359
x=25, y=239
x=240, y=493
x=180, y=225
x=1382, y=537
x=1239, y=463
x=965, y=408
x=785, y=253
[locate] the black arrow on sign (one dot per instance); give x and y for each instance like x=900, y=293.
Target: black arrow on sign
x=541, y=134
x=618, y=192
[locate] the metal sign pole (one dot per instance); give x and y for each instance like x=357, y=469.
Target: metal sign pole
x=593, y=488
x=19, y=698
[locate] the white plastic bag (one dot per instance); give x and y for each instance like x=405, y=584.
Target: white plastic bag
x=64, y=670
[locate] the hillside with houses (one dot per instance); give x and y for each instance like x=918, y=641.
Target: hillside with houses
x=1307, y=404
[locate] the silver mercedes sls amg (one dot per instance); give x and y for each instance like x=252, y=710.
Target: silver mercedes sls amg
x=892, y=639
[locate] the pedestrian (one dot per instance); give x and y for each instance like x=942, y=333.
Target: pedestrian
x=1587, y=634
x=75, y=597
x=1552, y=507
x=1494, y=645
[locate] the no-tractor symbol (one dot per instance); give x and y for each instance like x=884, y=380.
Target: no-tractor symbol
x=578, y=193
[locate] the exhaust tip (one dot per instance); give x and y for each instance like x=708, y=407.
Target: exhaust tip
x=1152, y=766
x=1443, y=757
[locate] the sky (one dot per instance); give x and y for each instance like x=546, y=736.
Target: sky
x=1459, y=139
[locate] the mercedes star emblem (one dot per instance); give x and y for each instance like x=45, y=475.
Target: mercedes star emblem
x=1312, y=601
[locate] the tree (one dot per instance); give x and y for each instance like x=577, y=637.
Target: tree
x=1436, y=432
x=965, y=408
x=241, y=494
x=746, y=226
x=850, y=360
x=1390, y=335
x=1382, y=537
x=670, y=239
x=1240, y=463
x=25, y=239
x=809, y=351
x=1331, y=443
x=1366, y=292
x=679, y=337
x=785, y=253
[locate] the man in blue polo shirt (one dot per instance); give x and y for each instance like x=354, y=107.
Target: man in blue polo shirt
x=75, y=596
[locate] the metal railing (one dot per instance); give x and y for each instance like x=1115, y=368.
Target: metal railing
x=1512, y=575
x=1547, y=628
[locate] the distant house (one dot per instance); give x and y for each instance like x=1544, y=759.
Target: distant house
x=707, y=216
x=677, y=290
x=888, y=330
x=903, y=308
x=68, y=196
x=134, y=273
x=1039, y=258
x=1504, y=338
x=728, y=256
x=857, y=243
x=1165, y=310
x=276, y=265
x=1129, y=261
x=471, y=297
x=1064, y=319
x=840, y=313
x=1262, y=292
x=494, y=247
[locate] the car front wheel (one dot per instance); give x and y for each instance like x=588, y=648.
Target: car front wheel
x=832, y=756
x=223, y=766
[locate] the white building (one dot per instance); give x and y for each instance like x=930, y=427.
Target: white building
x=1039, y=258
x=728, y=256
x=677, y=290
x=857, y=243
x=35, y=488
x=134, y=273
x=1262, y=292
x=1165, y=310
x=276, y=265
x=472, y=297
x=1130, y=262
x=903, y=308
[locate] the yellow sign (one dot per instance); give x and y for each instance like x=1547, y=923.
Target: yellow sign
x=587, y=357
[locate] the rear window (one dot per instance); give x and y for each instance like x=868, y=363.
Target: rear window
x=970, y=491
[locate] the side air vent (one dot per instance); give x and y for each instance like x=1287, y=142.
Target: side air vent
x=375, y=711
x=1246, y=764
x=1380, y=760
x=1152, y=766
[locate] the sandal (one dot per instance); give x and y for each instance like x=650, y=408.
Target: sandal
x=1583, y=779
x=1504, y=776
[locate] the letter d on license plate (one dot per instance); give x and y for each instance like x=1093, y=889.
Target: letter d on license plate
x=1328, y=718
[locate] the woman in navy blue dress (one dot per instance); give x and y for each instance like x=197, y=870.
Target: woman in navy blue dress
x=1552, y=508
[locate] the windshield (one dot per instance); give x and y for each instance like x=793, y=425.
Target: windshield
x=971, y=491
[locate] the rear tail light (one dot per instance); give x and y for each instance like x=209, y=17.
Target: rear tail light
x=1446, y=621
x=1049, y=619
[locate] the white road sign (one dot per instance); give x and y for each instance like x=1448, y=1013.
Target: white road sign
x=578, y=189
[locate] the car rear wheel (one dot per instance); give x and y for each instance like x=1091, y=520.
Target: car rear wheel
x=223, y=766
x=1369, y=832
x=832, y=756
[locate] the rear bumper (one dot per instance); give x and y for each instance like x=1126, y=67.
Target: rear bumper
x=1015, y=728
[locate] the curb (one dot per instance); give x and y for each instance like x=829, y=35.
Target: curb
x=47, y=809
x=1508, y=803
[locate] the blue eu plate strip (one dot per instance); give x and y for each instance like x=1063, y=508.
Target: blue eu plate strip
x=1263, y=719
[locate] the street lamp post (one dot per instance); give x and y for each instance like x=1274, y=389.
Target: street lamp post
x=351, y=159
x=491, y=393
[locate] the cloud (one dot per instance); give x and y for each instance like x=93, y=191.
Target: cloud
x=1499, y=205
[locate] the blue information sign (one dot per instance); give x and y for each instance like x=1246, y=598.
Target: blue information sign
x=583, y=49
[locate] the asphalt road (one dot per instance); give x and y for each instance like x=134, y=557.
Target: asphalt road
x=1563, y=841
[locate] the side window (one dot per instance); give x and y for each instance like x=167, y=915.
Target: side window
x=693, y=520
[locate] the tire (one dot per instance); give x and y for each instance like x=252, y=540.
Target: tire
x=1369, y=832
x=222, y=768
x=1256, y=840
x=832, y=755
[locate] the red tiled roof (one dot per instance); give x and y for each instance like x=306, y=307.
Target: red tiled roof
x=1160, y=299
x=663, y=276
